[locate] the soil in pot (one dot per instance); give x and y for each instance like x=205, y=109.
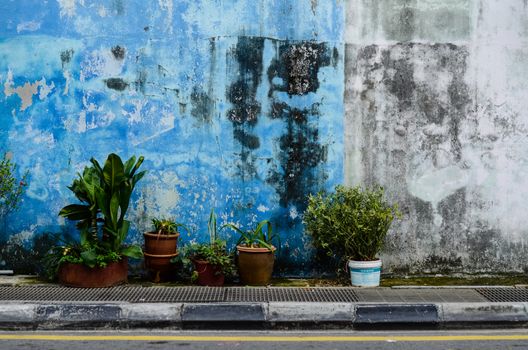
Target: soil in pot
x=82, y=276
x=208, y=275
x=159, y=250
x=255, y=265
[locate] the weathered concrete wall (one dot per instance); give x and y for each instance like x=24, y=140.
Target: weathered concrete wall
x=436, y=112
x=235, y=105
x=239, y=105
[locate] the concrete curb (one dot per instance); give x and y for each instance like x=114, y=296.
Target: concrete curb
x=270, y=315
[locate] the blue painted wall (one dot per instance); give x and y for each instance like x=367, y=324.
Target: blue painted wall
x=236, y=105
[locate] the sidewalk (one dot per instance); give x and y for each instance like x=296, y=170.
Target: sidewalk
x=51, y=306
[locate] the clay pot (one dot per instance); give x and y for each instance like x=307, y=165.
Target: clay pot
x=159, y=250
x=255, y=265
x=208, y=275
x=82, y=276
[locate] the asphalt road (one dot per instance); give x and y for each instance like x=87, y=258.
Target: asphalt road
x=351, y=340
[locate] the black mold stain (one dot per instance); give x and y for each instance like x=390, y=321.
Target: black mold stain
x=335, y=57
x=453, y=211
x=300, y=154
x=298, y=66
x=246, y=109
x=247, y=140
x=281, y=110
x=483, y=243
x=118, y=52
x=66, y=57
x=202, y=106
x=401, y=84
x=242, y=93
x=116, y=84
x=443, y=264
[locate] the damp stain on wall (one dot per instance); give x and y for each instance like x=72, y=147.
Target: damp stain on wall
x=293, y=70
x=200, y=102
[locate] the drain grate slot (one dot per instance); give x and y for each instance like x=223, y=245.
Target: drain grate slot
x=503, y=295
x=278, y=294
x=440, y=295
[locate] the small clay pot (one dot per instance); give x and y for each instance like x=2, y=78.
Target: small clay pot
x=208, y=275
x=255, y=265
x=159, y=251
x=82, y=276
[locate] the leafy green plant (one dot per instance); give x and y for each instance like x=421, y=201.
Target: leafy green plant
x=215, y=253
x=166, y=226
x=261, y=236
x=105, y=196
x=350, y=223
x=11, y=189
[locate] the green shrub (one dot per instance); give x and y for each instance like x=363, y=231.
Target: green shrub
x=11, y=189
x=349, y=223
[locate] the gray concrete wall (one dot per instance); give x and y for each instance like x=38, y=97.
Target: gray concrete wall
x=436, y=110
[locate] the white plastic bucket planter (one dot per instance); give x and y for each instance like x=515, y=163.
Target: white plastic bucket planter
x=365, y=273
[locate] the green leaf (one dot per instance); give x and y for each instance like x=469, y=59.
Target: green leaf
x=89, y=258
x=129, y=164
x=138, y=164
x=85, y=236
x=114, y=210
x=138, y=177
x=123, y=231
x=76, y=212
x=101, y=200
x=133, y=251
x=97, y=167
x=113, y=171
x=124, y=199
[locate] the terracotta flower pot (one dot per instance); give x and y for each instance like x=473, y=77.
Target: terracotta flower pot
x=208, y=275
x=82, y=276
x=255, y=265
x=159, y=250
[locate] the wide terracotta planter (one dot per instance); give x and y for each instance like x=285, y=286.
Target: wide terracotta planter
x=82, y=276
x=255, y=265
x=159, y=251
x=208, y=275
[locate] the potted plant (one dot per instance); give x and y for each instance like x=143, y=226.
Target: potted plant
x=211, y=261
x=256, y=253
x=100, y=257
x=161, y=245
x=351, y=224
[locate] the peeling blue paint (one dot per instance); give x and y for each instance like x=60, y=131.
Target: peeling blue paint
x=169, y=94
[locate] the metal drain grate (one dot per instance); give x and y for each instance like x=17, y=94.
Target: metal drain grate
x=440, y=295
x=500, y=295
x=133, y=294
x=278, y=294
x=138, y=294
